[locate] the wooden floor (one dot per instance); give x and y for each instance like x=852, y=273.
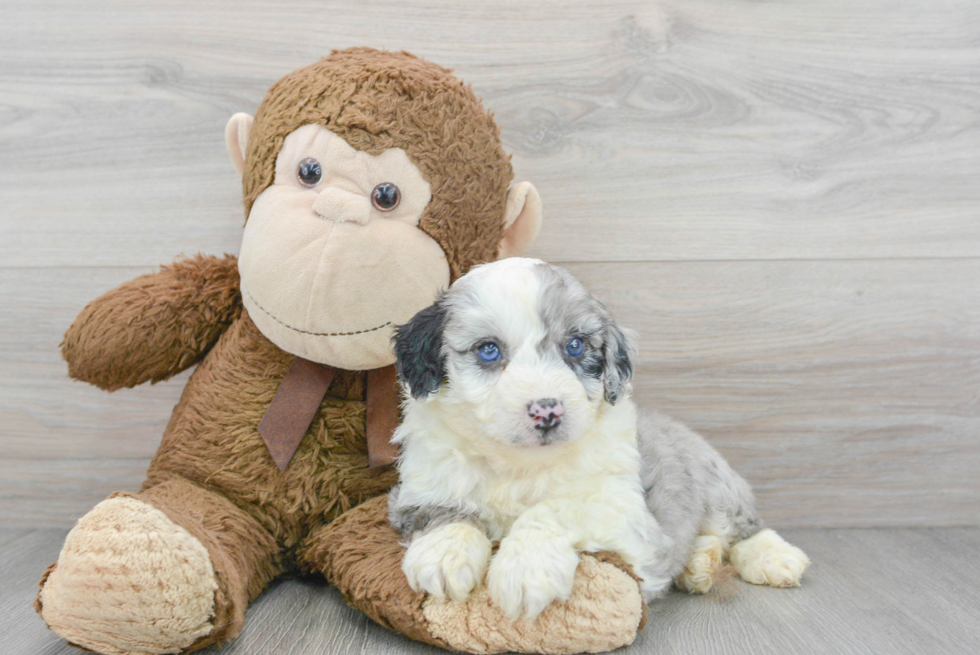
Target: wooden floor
x=880, y=592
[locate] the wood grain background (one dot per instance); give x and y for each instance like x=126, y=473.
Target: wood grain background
x=783, y=198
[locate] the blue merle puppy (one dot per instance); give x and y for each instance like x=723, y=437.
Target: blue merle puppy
x=519, y=426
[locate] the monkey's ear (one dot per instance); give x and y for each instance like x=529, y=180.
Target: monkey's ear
x=418, y=349
x=522, y=219
x=236, y=139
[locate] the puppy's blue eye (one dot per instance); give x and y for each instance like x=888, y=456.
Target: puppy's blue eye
x=488, y=352
x=574, y=347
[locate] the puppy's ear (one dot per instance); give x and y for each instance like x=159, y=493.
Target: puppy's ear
x=418, y=349
x=618, y=352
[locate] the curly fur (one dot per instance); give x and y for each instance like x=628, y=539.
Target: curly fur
x=153, y=327
x=478, y=466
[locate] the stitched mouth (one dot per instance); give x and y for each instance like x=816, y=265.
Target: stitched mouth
x=308, y=332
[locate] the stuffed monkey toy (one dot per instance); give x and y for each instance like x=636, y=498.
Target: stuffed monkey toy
x=371, y=181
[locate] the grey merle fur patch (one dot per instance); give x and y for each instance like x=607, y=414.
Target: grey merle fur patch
x=413, y=519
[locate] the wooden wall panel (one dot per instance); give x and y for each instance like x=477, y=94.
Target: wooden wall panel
x=781, y=198
x=675, y=130
x=845, y=391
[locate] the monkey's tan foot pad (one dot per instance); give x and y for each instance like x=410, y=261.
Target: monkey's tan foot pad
x=604, y=613
x=129, y=580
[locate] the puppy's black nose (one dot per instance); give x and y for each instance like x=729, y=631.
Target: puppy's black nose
x=545, y=413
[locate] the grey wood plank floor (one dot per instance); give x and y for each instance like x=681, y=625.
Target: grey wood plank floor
x=878, y=591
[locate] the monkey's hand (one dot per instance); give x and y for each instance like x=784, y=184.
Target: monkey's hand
x=155, y=326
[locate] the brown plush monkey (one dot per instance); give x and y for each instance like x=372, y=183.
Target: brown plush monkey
x=371, y=180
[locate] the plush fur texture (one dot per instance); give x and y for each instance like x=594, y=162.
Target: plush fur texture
x=214, y=476
x=109, y=547
x=311, y=255
x=356, y=552
x=313, y=250
x=510, y=342
x=562, y=628
x=212, y=484
x=188, y=304
x=379, y=100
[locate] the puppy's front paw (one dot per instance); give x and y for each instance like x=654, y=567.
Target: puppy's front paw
x=447, y=561
x=527, y=574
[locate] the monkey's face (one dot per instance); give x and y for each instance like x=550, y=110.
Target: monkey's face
x=371, y=179
x=332, y=257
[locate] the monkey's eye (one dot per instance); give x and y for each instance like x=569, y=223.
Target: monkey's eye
x=574, y=348
x=489, y=352
x=309, y=172
x=385, y=197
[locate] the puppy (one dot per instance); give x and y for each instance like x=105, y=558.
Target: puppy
x=519, y=427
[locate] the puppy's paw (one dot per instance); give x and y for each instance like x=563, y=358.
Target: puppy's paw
x=699, y=574
x=447, y=561
x=765, y=558
x=527, y=574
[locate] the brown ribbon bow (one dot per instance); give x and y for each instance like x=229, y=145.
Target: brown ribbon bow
x=299, y=396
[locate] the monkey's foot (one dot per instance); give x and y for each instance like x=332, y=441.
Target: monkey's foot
x=604, y=613
x=360, y=554
x=699, y=574
x=129, y=580
x=765, y=558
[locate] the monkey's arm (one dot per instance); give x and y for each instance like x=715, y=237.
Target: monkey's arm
x=155, y=326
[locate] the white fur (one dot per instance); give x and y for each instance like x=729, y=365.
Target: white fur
x=586, y=496
x=447, y=561
x=546, y=503
x=473, y=463
x=767, y=559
